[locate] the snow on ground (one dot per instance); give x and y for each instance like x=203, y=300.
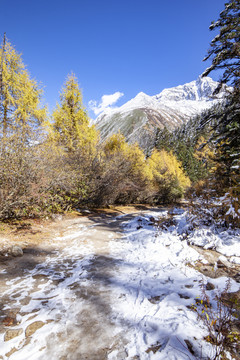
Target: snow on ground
x=45, y=300
x=138, y=295
x=225, y=241
x=157, y=290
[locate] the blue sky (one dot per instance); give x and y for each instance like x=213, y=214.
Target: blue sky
x=112, y=46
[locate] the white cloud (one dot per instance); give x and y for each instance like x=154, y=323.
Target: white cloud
x=106, y=102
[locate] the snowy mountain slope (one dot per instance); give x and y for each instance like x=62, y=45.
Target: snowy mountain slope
x=139, y=118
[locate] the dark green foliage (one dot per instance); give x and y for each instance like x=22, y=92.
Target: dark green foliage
x=226, y=138
x=195, y=168
x=225, y=47
x=169, y=192
x=164, y=139
x=225, y=54
x=225, y=120
x=183, y=142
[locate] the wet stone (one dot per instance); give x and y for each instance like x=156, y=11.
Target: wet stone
x=210, y=286
x=154, y=348
x=57, y=281
x=32, y=328
x=12, y=333
x=74, y=286
x=12, y=351
x=31, y=317
x=220, y=264
x=9, y=321
x=16, y=251
x=25, y=301
x=237, y=277
x=10, y=318
x=156, y=299
x=14, y=296
x=40, y=277
x=183, y=296
x=23, y=313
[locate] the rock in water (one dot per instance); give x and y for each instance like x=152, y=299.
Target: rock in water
x=16, y=251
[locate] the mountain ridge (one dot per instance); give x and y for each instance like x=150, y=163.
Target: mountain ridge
x=139, y=118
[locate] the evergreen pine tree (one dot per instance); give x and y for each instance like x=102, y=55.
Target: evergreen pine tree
x=225, y=47
x=225, y=55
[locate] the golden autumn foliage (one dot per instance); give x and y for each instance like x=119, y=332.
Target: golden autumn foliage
x=165, y=165
x=72, y=142
x=206, y=154
x=130, y=153
x=167, y=175
x=71, y=128
x=20, y=96
x=119, y=174
x=21, y=117
x=116, y=143
x=127, y=176
x=59, y=164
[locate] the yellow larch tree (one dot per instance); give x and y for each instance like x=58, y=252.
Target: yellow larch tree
x=20, y=110
x=71, y=128
x=21, y=116
x=168, y=177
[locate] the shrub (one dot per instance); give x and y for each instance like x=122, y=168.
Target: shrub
x=168, y=178
x=219, y=321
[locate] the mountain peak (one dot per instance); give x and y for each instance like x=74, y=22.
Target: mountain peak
x=141, y=95
x=140, y=100
x=201, y=89
x=139, y=118
x=190, y=98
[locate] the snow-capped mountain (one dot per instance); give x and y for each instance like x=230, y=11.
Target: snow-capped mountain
x=139, y=118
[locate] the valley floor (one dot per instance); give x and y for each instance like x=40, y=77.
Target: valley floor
x=113, y=286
